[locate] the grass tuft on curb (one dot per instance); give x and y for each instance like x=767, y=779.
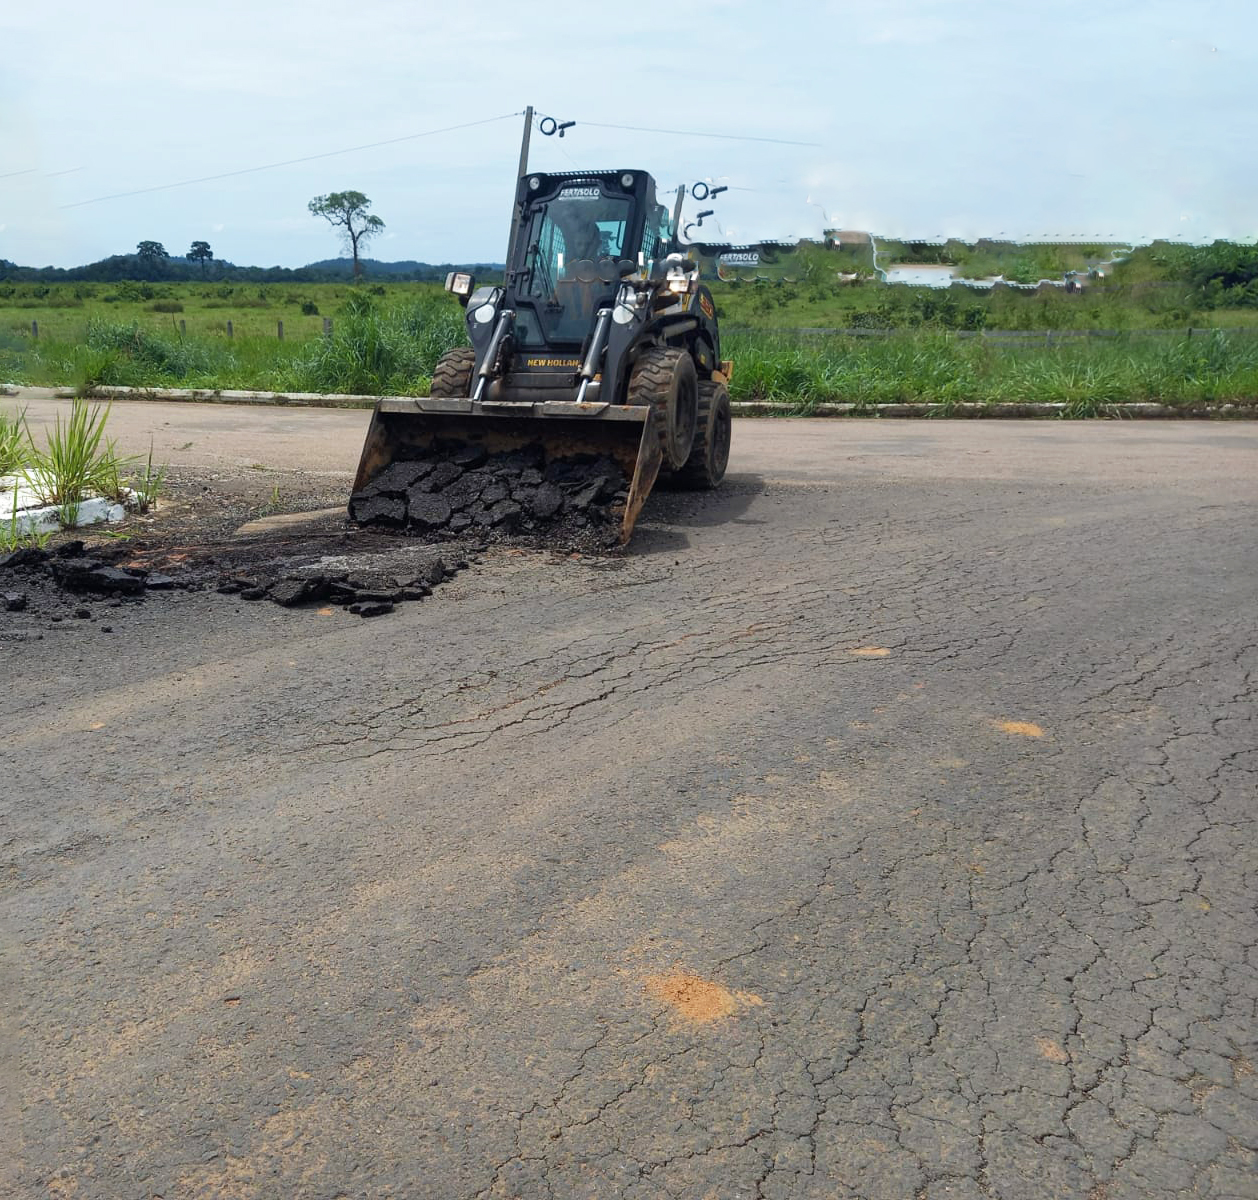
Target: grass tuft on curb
x=14, y=444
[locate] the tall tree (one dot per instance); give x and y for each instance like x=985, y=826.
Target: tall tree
x=151, y=260
x=348, y=212
x=200, y=252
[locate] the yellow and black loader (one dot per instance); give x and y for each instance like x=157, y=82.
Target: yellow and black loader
x=600, y=341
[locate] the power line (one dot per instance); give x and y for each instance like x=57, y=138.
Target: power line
x=288, y=162
x=46, y=174
x=727, y=137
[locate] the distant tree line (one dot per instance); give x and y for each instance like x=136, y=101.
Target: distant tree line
x=154, y=267
x=344, y=211
x=1221, y=275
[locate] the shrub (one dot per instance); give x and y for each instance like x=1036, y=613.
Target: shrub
x=69, y=468
x=373, y=351
x=166, y=306
x=131, y=355
x=129, y=289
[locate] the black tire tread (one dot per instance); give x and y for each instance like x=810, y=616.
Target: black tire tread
x=650, y=383
x=452, y=376
x=698, y=473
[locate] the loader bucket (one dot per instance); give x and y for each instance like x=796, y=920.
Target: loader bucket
x=403, y=429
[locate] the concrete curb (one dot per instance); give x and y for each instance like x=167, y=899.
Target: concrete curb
x=229, y=396
x=966, y=411
x=22, y=508
x=742, y=408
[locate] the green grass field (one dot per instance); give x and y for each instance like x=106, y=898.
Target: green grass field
x=387, y=338
x=63, y=310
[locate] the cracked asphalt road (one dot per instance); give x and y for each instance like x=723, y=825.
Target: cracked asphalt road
x=881, y=826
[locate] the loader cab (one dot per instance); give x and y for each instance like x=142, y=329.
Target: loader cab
x=579, y=234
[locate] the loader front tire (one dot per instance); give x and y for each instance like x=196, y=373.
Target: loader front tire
x=710, y=454
x=664, y=378
x=452, y=376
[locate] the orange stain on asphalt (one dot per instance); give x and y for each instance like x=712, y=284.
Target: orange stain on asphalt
x=1051, y=1050
x=1025, y=728
x=870, y=652
x=696, y=999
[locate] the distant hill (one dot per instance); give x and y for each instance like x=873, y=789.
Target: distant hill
x=177, y=269
x=343, y=268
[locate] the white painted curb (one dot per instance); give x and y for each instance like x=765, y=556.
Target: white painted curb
x=48, y=518
x=34, y=517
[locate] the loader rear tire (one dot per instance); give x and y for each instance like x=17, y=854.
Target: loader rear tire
x=664, y=378
x=452, y=376
x=710, y=455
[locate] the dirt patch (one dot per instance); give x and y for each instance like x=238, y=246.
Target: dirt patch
x=1051, y=1050
x=1024, y=728
x=699, y=1000
x=870, y=652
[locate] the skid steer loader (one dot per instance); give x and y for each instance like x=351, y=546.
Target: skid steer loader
x=601, y=342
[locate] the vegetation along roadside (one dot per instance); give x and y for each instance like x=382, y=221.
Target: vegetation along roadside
x=1154, y=333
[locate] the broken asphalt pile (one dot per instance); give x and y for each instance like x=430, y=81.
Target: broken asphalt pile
x=68, y=581
x=465, y=490
x=74, y=581
x=415, y=524
x=367, y=586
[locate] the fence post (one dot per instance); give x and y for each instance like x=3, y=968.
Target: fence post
x=183, y=327
x=279, y=329
x=35, y=330
x=229, y=330
x=327, y=326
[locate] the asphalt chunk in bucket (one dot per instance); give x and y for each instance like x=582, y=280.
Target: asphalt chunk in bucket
x=578, y=498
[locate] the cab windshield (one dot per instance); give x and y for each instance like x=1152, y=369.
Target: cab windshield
x=574, y=242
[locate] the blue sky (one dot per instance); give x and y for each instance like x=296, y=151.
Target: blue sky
x=930, y=118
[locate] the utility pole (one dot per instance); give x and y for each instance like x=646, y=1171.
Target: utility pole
x=516, y=208
x=681, y=199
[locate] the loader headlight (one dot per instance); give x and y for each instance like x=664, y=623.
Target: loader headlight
x=460, y=283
